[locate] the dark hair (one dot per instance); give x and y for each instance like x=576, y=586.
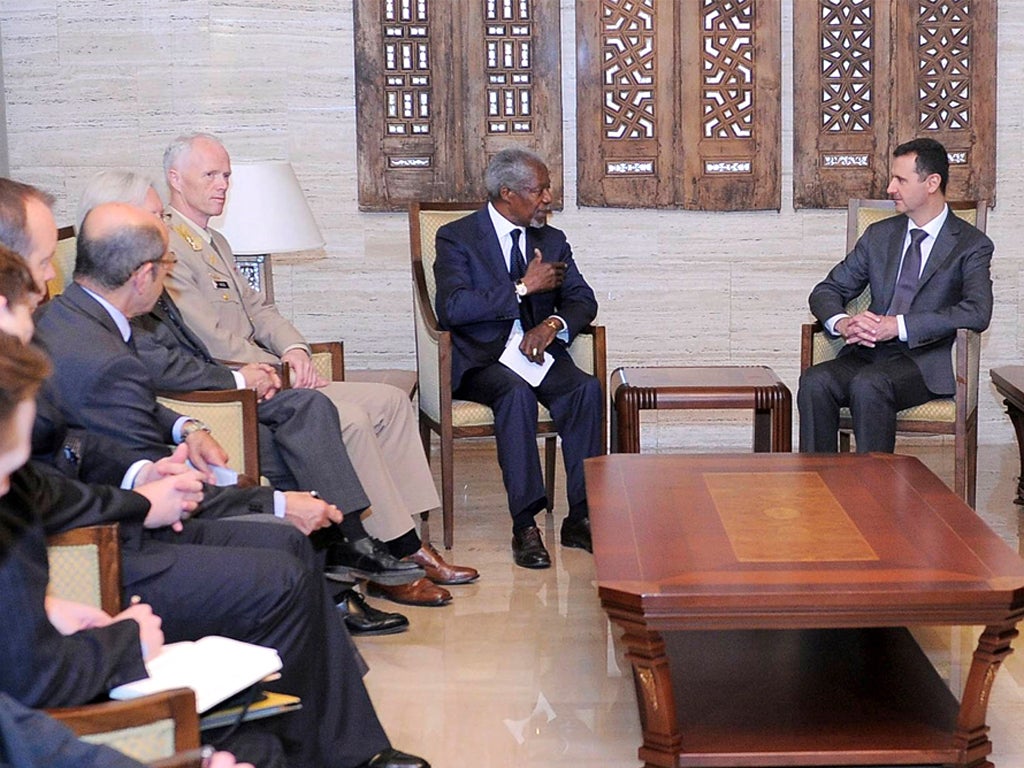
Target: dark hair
x=16, y=283
x=110, y=259
x=23, y=368
x=13, y=217
x=931, y=158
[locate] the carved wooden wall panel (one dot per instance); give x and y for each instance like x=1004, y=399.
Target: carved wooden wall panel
x=678, y=103
x=951, y=46
x=881, y=72
x=441, y=85
x=840, y=107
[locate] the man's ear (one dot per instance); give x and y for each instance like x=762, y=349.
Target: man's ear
x=173, y=179
x=142, y=276
x=934, y=181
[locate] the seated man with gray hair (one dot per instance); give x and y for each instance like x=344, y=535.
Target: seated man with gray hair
x=503, y=274
x=236, y=323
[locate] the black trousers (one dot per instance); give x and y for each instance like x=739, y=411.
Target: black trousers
x=262, y=583
x=874, y=382
x=574, y=399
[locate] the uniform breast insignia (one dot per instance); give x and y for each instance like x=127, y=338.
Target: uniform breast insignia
x=189, y=237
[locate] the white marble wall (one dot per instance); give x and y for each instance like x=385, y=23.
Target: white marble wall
x=93, y=84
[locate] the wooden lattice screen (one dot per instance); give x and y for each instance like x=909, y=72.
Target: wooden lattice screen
x=678, y=103
x=870, y=74
x=441, y=85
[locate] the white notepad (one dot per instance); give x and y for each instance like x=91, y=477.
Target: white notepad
x=512, y=358
x=216, y=668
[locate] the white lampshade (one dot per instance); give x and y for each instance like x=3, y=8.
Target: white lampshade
x=266, y=211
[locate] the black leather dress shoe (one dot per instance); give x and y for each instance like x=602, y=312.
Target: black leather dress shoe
x=392, y=758
x=369, y=559
x=576, y=534
x=528, y=549
x=361, y=618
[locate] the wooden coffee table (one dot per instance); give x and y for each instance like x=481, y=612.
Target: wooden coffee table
x=748, y=387
x=765, y=600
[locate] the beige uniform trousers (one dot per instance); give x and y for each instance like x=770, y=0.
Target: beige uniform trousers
x=380, y=431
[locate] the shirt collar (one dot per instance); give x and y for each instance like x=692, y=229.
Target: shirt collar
x=502, y=226
x=115, y=314
x=934, y=226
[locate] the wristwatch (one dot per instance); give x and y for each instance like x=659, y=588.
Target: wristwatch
x=193, y=425
x=521, y=289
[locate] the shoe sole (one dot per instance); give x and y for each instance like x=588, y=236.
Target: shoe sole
x=388, y=578
x=376, y=632
x=533, y=566
x=453, y=582
x=384, y=596
x=576, y=545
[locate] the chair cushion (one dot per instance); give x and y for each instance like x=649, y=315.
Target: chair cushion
x=466, y=413
x=941, y=409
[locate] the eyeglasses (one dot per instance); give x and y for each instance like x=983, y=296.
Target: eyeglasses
x=167, y=261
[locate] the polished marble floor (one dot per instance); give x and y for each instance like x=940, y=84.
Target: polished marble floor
x=523, y=670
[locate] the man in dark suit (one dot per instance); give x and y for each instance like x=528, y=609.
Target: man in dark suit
x=929, y=275
x=488, y=293
x=269, y=592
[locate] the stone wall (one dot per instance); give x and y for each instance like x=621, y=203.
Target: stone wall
x=93, y=85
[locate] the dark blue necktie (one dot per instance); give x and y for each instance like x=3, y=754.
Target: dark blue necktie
x=906, y=285
x=517, y=269
x=516, y=262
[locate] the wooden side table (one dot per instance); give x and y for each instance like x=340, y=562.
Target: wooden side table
x=1009, y=381
x=756, y=388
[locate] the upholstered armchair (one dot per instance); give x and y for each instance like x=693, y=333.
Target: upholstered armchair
x=452, y=419
x=957, y=415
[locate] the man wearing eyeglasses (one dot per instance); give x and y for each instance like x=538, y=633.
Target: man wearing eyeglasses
x=508, y=288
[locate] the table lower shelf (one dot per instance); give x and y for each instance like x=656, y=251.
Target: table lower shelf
x=808, y=697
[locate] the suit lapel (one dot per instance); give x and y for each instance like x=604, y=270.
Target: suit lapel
x=490, y=246
x=945, y=243
x=894, y=249
x=76, y=296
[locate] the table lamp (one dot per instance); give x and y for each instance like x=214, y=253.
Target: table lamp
x=265, y=212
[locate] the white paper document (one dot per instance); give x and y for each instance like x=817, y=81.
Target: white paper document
x=512, y=358
x=216, y=668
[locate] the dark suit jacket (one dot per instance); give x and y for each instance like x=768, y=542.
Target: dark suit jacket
x=177, y=359
x=476, y=298
x=30, y=739
x=39, y=666
x=955, y=289
x=101, y=386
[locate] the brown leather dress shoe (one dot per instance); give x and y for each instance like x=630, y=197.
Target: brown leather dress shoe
x=420, y=592
x=440, y=572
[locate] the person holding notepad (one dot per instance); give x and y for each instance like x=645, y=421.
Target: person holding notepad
x=507, y=283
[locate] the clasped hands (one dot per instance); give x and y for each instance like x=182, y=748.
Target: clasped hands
x=867, y=329
x=541, y=276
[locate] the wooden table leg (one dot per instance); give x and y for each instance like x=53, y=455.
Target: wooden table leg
x=662, y=739
x=1017, y=418
x=971, y=735
x=628, y=403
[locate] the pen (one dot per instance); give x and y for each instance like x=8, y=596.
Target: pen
x=206, y=755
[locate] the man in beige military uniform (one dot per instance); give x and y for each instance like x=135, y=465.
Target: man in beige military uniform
x=237, y=324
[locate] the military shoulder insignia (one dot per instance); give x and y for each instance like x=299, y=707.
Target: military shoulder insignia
x=189, y=237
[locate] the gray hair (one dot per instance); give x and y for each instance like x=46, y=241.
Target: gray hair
x=511, y=168
x=110, y=259
x=183, y=145
x=112, y=187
